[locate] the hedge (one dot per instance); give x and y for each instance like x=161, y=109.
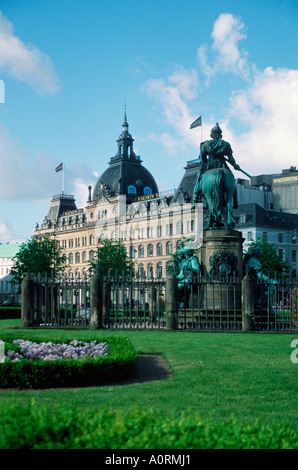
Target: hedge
x=119, y=364
x=7, y=313
x=34, y=426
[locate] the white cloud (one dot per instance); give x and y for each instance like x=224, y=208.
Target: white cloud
x=165, y=139
x=5, y=229
x=268, y=109
x=186, y=82
x=25, y=62
x=227, y=32
x=23, y=178
x=260, y=120
x=172, y=94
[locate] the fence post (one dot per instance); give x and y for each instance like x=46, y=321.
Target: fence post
x=248, y=303
x=27, y=311
x=171, y=303
x=96, y=297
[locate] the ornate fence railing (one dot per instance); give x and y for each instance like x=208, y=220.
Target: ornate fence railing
x=225, y=304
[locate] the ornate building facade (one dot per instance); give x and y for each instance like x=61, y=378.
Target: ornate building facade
x=126, y=205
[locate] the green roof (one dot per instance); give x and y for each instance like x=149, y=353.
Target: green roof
x=9, y=250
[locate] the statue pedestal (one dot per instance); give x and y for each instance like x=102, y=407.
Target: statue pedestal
x=218, y=294
x=221, y=239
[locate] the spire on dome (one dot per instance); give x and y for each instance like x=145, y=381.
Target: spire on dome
x=125, y=141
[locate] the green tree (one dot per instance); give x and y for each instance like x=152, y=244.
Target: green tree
x=111, y=259
x=38, y=256
x=272, y=262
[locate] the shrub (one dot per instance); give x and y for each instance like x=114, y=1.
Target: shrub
x=120, y=363
x=36, y=427
x=10, y=313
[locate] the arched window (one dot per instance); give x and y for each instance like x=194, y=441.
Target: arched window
x=150, y=250
x=132, y=251
x=131, y=189
x=70, y=258
x=147, y=190
x=159, y=249
x=101, y=237
x=84, y=257
x=169, y=248
x=159, y=270
x=170, y=268
x=91, y=240
x=141, y=251
x=77, y=257
x=91, y=255
x=150, y=271
x=141, y=271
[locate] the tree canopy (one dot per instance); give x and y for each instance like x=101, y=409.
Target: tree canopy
x=38, y=256
x=111, y=259
x=272, y=262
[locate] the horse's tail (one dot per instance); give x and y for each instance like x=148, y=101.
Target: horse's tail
x=218, y=189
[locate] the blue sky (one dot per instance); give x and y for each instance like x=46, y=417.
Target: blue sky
x=69, y=66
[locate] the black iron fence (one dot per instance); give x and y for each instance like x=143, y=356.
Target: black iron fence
x=202, y=303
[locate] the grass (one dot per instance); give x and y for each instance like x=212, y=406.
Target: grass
x=222, y=376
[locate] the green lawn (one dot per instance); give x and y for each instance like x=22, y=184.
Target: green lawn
x=219, y=375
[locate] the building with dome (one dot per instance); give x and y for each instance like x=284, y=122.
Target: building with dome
x=125, y=205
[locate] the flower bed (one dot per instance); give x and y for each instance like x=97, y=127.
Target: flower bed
x=53, y=351
x=35, y=364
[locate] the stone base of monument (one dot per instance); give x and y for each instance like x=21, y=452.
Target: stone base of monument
x=221, y=258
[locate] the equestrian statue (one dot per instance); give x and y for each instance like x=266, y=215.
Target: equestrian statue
x=216, y=182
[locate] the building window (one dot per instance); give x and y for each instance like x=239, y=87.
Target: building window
x=159, y=270
x=242, y=219
x=141, y=271
x=294, y=256
x=281, y=253
x=150, y=271
x=77, y=258
x=91, y=255
x=280, y=238
x=159, y=249
x=249, y=236
x=190, y=226
x=132, y=251
x=179, y=228
x=84, y=257
x=141, y=251
x=150, y=250
x=70, y=258
x=147, y=190
x=131, y=189
x=169, y=248
x=91, y=240
x=170, y=268
x=149, y=232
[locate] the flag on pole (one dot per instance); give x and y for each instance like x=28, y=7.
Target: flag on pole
x=59, y=167
x=196, y=123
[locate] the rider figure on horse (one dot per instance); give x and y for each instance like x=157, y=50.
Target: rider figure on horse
x=217, y=149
